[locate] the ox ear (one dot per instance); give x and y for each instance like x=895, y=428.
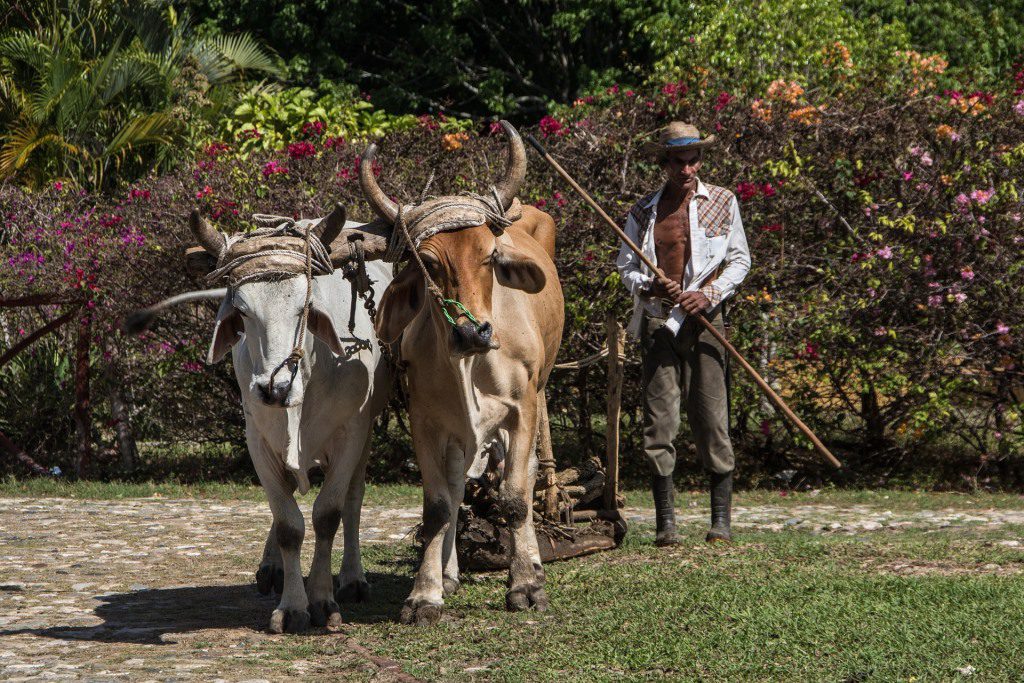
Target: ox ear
x=401, y=302
x=515, y=269
x=226, y=332
x=319, y=323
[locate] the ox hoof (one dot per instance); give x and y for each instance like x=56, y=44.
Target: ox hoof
x=354, y=591
x=420, y=615
x=268, y=577
x=289, y=621
x=451, y=586
x=325, y=613
x=526, y=597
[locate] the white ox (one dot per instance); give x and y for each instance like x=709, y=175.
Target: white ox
x=316, y=412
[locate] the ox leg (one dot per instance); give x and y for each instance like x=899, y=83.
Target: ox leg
x=423, y=606
x=455, y=472
x=351, y=585
x=525, y=586
x=341, y=467
x=270, y=575
x=291, y=615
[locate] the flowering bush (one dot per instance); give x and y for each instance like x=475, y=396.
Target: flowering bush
x=884, y=303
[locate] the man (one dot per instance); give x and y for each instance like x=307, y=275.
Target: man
x=693, y=232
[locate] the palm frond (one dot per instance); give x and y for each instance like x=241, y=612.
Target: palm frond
x=226, y=57
x=146, y=129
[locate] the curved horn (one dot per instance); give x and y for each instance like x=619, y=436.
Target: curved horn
x=509, y=186
x=330, y=227
x=211, y=240
x=379, y=202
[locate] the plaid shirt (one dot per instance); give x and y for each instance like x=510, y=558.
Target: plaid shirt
x=716, y=240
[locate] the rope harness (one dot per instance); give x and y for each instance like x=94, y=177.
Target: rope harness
x=312, y=260
x=486, y=207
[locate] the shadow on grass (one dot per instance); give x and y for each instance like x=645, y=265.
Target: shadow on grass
x=147, y=616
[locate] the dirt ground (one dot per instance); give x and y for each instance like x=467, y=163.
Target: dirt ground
x=158, y=589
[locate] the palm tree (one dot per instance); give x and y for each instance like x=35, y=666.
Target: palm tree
x=106, y=89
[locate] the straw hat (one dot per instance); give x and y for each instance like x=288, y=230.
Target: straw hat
x=678, y=136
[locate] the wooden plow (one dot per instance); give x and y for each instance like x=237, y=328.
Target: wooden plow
x=577, y=510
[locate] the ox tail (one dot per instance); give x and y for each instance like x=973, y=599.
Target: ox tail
x=140, y=320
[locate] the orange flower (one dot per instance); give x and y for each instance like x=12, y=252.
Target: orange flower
x=453, y=141
x=786, y=91
x=837, y=54
x=808, y=116
x=945, y=131
x=761, y=110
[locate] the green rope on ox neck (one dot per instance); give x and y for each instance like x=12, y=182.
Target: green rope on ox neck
x=459, y=305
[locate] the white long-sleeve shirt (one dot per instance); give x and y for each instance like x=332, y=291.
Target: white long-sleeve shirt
x=716, y=238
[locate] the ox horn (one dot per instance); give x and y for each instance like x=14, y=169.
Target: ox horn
x=330, y=227
x=509, y=186
x=211, y=239
x=379, y=202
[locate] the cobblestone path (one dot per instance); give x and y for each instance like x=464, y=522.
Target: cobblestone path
x=159, y=589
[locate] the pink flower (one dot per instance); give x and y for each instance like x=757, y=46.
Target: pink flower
x=58, y=186
x=271, y=168
x=723, y=101
x=907, y=175
x=549, y=125
x=960, y=297
x=967, y=273
x=962, y=199
x=331, y=142
x=935, y=300
x=934, y=285
x=879, y=331
x=982, y=196
x=747, y=191
x=301, y=150
x=768, y=190
x=205, y=192
x=926, y=160
x=884, y=252
x=1018, y=108
x=1002, y=328
x=313, y=129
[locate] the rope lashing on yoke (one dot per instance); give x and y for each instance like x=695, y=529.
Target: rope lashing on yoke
x=487, y=208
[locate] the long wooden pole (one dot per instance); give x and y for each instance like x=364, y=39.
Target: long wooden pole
x=761, y=383
x=616, y=337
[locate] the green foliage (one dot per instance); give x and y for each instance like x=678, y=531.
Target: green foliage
x=980, y=37
x=749, y=43
x=96, y=91
x=269, y=119
x=458, y=57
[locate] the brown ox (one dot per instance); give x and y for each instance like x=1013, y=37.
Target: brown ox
x=473, y=385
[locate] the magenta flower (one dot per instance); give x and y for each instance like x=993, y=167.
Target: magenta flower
x=272, y=168
x=747, y=191
x=884, y=252
x=1002, y=328
x=1018, y=108
x=301, y=150
x=967, y=273
x=549, y=125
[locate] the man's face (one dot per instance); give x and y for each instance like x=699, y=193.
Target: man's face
x=681, y=167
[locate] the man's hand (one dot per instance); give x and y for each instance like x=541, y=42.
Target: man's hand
x=666, y=289
x=693, y=303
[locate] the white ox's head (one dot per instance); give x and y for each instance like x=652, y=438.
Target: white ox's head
x=269, y=315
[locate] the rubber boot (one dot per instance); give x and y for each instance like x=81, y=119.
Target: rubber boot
x=664, y=510
x=721, y=508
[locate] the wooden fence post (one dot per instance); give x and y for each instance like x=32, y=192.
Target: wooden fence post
x=83, y=412
x=616, y=342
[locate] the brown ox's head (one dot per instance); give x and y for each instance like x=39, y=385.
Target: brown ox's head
x=465, y=263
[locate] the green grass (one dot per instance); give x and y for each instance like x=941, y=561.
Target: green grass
x=405, y=495
x=775, y=606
